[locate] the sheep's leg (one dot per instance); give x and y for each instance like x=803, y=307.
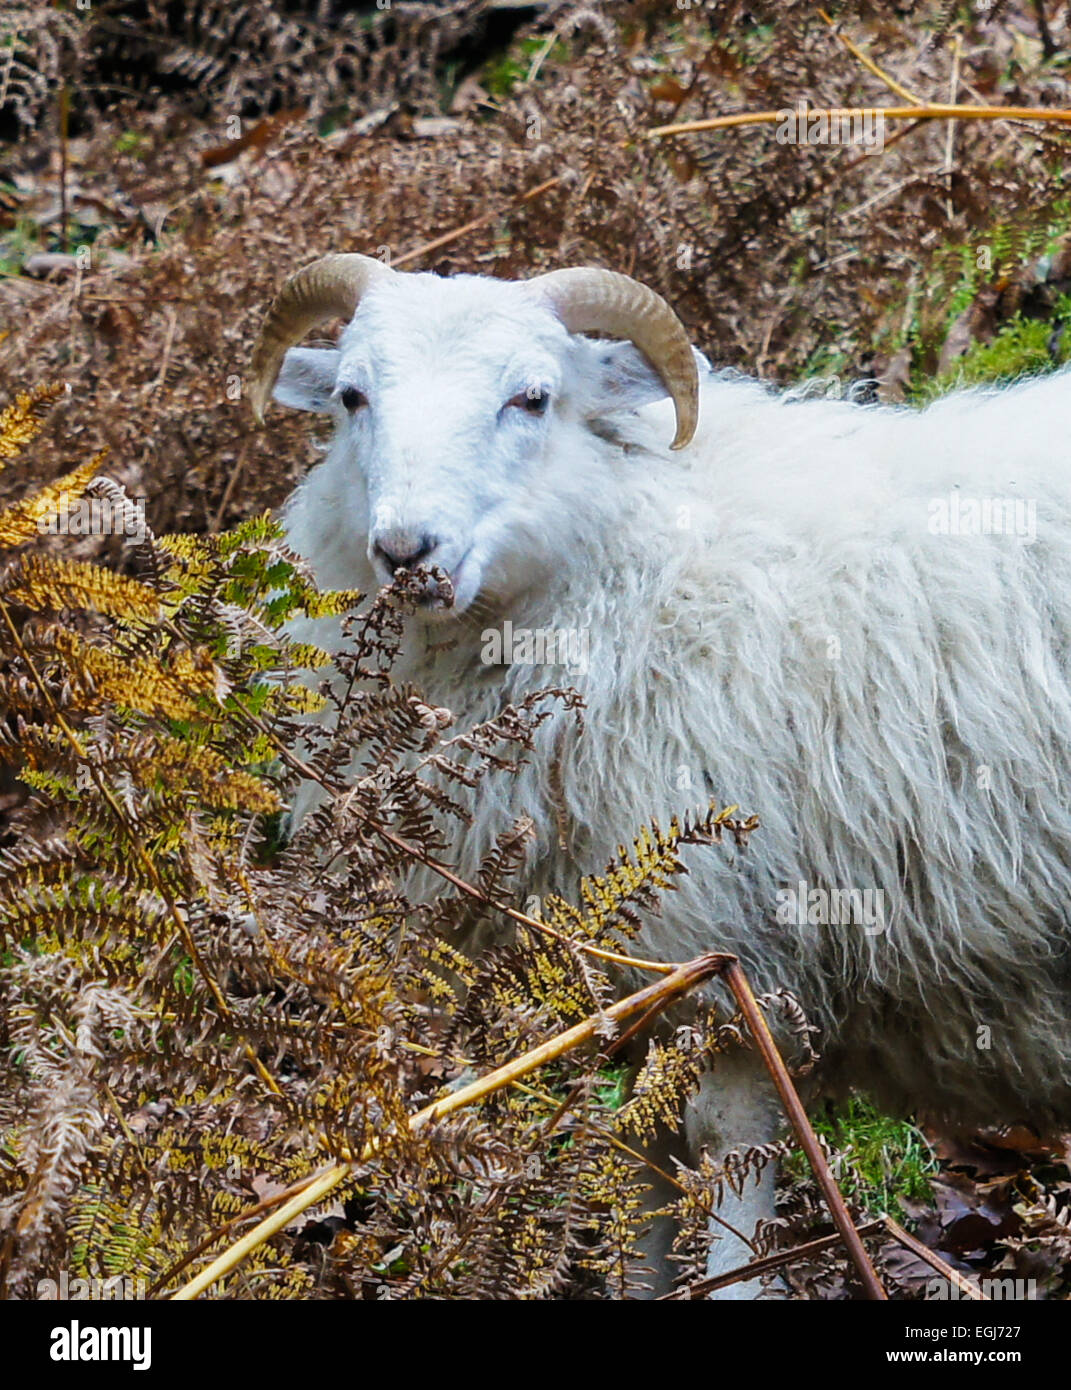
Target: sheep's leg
x=653, y=1267
x=736, y=1108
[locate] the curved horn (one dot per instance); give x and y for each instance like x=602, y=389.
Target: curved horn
x=616, y=306
x=328, y=288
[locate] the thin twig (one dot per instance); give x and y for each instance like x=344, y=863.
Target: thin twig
x=475, y=224
x=950, y=139
x=541, y=57
x=934, y=1260
x=705, y=1287
x=172, y=323
x=737, y=981
x=929, y=112
x=870, y=65
x=229, y=489
x=1049, y=47
x=64, y=124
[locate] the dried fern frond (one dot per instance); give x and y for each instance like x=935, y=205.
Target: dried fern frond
x=22, y=522
x=23, y=419
x=43, y=583
x=198, y=1014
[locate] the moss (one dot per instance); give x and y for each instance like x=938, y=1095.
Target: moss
x=132, y=142
x=502, y=75
x=880, y=1163
x=1022, y=347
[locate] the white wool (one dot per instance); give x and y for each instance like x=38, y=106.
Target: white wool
x=771, y=621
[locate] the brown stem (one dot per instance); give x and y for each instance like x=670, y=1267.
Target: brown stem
x=749, y=1271
x=934, y=1260
x=870, y=65
x=931, y=111
x=474, y=225
x=268, y=1204
x=756, y=1021
x=64, y=122
x=1049, y=46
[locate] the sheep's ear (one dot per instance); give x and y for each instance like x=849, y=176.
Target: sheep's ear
x=307, y=378
x=623, y=380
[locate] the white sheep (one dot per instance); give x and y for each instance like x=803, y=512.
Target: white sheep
x=854, y=621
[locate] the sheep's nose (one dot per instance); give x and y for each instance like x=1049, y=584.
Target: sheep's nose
x=408, y=550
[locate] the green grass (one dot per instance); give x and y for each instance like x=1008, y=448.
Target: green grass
x=1020, y=348
x=501, y=76
x=613, y=1087
x=882, y=1162
x=955, y=274
x=17, y=242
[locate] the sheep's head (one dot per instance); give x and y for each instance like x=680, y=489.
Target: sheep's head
x=462, y=404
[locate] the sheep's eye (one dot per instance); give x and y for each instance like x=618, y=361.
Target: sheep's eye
x=534, y=401
x=353, y=399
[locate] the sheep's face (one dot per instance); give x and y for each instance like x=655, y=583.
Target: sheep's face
x=470, y=428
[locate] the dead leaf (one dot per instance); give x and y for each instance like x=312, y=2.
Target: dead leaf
x=895, y=380
x=258, y=137
x=667, y=89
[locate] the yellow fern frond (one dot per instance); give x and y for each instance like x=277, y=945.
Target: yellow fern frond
x=330, y=604
x=23, y=419
x=144, y=684
x=307, y=656
x=609, y=899
x=217, y=783
x=19, y=523
x=182, y=546
x=667, y=1073
x=653, y=862
x=302, y=700
x=42, y=582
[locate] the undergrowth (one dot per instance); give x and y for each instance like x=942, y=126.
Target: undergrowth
x=192, y=1024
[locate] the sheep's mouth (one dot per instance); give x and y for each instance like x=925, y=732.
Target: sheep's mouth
x=433, y=590
x=451, y=597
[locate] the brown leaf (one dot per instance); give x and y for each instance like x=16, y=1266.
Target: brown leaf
x=259, y=137
x=977, y=324
x=667, y=89
x=895, y=380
